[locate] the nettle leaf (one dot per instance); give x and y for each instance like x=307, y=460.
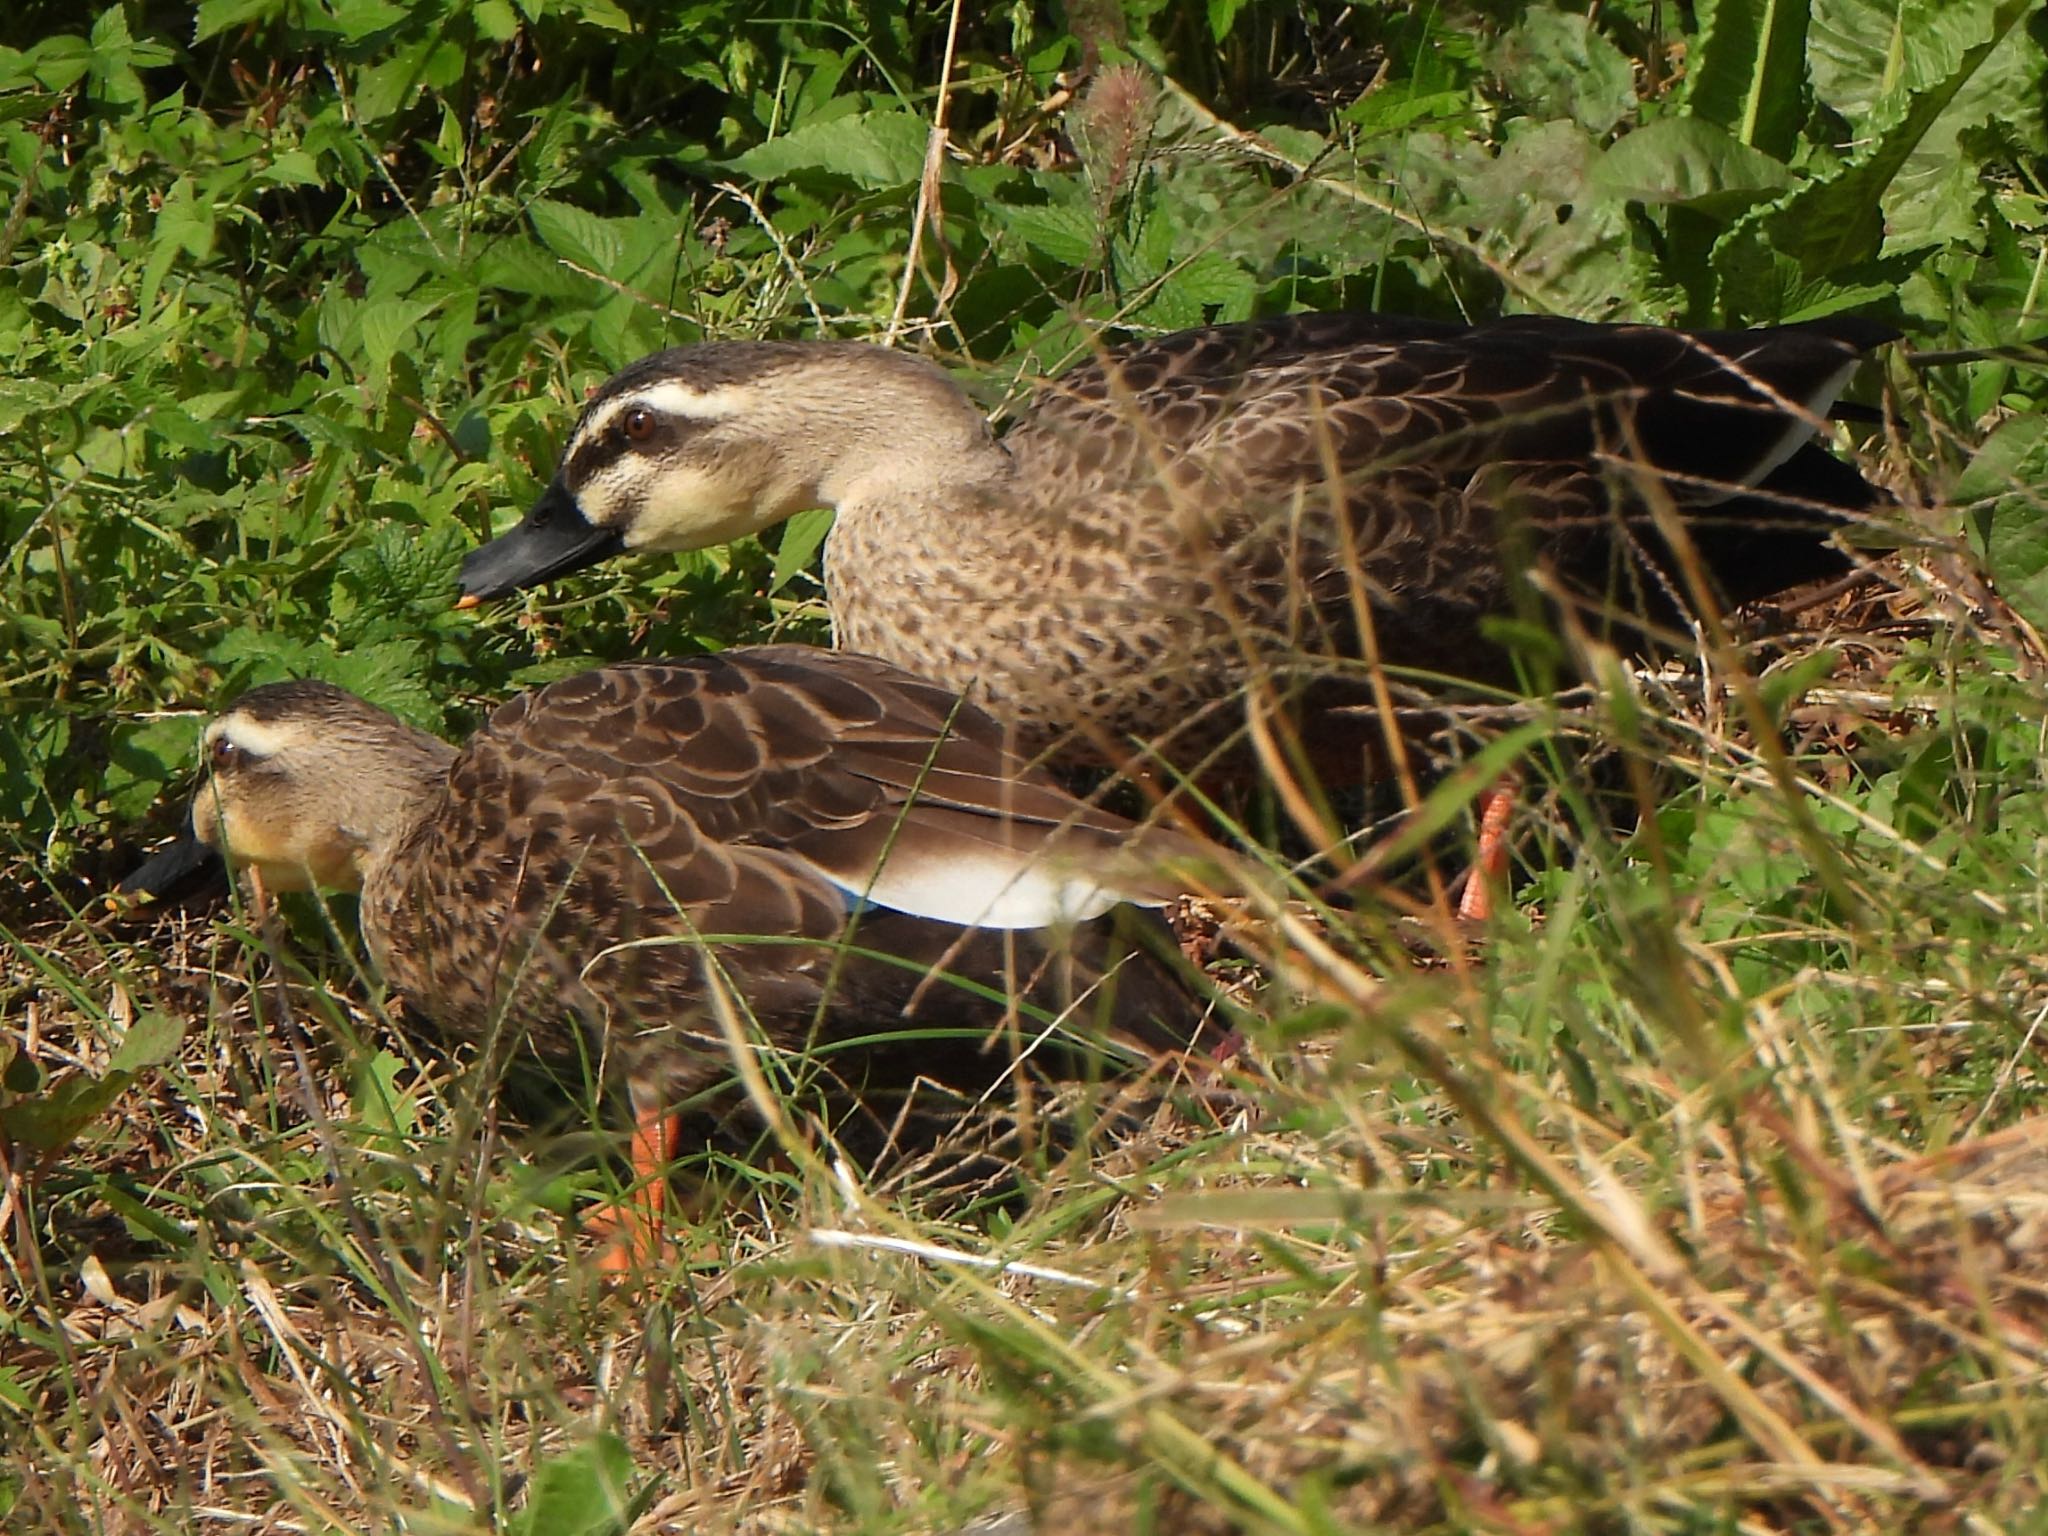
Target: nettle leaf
x=519, y=266
x=1068, y=234
x=390, y=674
x=382, y=326
x=578, y=235
x=872, y=149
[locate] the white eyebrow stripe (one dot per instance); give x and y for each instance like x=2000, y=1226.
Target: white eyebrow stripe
x=252, y=736
x=667, y=397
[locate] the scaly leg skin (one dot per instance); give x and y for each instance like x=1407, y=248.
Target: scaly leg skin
x=637, y=1225
x=1475, y=903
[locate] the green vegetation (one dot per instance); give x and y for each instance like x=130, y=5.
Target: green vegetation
x=1642, y=1218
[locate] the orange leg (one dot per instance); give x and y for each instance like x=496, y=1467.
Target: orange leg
x=1475, y=902
x=637, y=1224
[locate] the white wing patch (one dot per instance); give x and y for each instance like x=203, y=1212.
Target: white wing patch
x=983, y=888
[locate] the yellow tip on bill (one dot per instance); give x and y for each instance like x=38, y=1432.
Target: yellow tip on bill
x=468, y=600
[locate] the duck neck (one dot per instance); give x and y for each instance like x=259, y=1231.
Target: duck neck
x=900, y=457
x=382, y=808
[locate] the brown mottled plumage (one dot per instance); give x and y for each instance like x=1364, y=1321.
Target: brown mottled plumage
x=853, y=851
x=1169, y=521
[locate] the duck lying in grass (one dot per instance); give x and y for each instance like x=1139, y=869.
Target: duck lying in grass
x=1301, y=506
x=638, y=865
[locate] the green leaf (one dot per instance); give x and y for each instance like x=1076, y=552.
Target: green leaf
x=578, y=235
x=1068, y=234
x=1223, y=16
x=1750, y=76
x=873, y=150
x=1837, y=221
x=801, y=537
x=599, y=13
x=379, y=1103
x=385, y=325
x=2006, y=476
x=218, y=15
x=152, y=1039
x=1561, y=66
x=579, y=1492
x=1686, y=161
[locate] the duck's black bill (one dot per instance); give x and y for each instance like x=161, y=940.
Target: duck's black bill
x=176, y=872
x=552, y=540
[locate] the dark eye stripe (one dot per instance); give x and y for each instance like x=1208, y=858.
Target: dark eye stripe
x=598, y=450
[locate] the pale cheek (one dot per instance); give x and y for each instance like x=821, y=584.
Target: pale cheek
x=686, y=510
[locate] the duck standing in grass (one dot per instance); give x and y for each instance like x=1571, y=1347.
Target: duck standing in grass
x=1296, y=509
x=624, y=867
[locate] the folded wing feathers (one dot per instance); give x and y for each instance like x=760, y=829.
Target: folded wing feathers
x=884, y=785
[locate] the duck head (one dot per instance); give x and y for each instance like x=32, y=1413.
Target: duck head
x=705, y=444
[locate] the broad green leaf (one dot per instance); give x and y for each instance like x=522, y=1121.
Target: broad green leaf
x=578, y=235
x=496, y=20
x=2005, y=490
x=1562, y=67
x=358, y=19
x=293, y=168
x=1223, y=16
x=599, y=13
x=1836, y=222
x=1062, y=231
x=214, y=16
x=1684, y=160
x=873, y=149
x=385, y=325
x=379, y=1103
x=1749, y=77
x=151, y=1040
x=580, y=1492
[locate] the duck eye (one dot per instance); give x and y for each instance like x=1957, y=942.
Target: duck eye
x=638, y=424
x=224, y=756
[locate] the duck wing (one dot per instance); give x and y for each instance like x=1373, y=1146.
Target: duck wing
x=854, y=775
x=1273, y=405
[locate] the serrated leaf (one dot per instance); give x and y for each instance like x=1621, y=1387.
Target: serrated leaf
x=496, y=20
x=358, y=19
x=872, y=150
x=577, y=234
x=1065, y=233
x=1837, y=221
x=600, y=13
x=215, y=16
x=385, y=325
x=293, y=168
